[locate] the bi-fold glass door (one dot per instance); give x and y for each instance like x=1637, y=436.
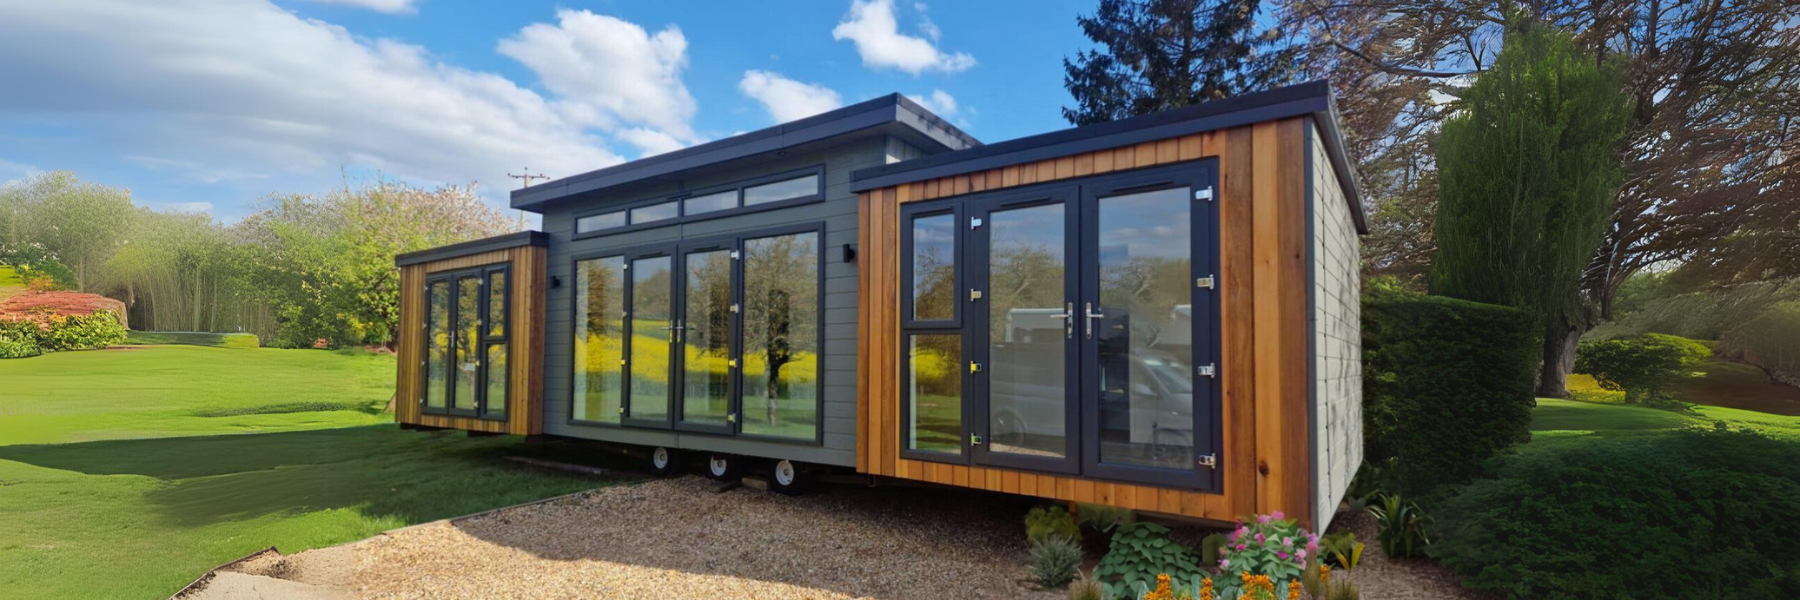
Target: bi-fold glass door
x=1079, y=325
x=466, y=347
x=716, y=336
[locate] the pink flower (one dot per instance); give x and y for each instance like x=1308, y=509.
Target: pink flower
x=1260, y=539
x=1287, y=541
x=1263, y=519
x=1278, y=515
x=1234, y=535
x=1283, y=555
x=1224, y=563
x=1241, y=547
x=1301, y=555
x=1312, y=545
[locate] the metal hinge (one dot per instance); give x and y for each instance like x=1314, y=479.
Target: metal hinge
x=1210, y=461
x=974, y=222
x=974, y=440
x=623, y=362
x=731, y=418
x=1206, y=370
x=974, y=367
x=624, y=266
x=1206, y=283
x=734, y=308
x=731, y=363
x=1204, y=193
x=974, y=295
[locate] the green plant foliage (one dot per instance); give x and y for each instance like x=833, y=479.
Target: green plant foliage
x=1447, y=384
x=1642, y=366
x=1402, y=526
x=1052, y=521
x=1708, y=514
x=1270, y=545
x=19, y=339
x=1210, y=547
x=1527, y=170
x=1103, y=518
x=82, y=332
x=1086, y=588
x=36, y=267
x=1341, y=549
x=1139, y=552
x=1054, y=560
x=1344, y=590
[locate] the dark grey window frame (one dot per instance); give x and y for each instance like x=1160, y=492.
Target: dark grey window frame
x=577, y=329
x=483, y=340
x=681, y=203
x=677, y=250
x=1080, y=195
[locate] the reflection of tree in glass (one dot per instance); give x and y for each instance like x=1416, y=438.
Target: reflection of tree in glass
x=1148, y=288
x=709, y=295
x=1022, y=276
x=934, y=268
x=781, y=311
x=605, y=289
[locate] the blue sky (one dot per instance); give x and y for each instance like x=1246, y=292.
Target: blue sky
x=213, y=104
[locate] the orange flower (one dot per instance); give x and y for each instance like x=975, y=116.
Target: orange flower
x=1294, y=590
x=1324, y=573
x=1206, y=589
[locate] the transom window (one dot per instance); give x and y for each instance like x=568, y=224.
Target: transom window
x=761, y=193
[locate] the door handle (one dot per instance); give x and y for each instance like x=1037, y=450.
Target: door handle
x=1068, y=319
x=1090, y=316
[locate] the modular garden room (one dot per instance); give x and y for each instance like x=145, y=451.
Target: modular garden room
x=1158, y=313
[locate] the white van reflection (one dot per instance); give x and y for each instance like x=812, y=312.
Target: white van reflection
x=1146, y=393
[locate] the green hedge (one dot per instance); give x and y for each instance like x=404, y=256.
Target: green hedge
x=19, y=339
x=1447, y=384
x=1693, y=514
x=1643, y=366
x=1771, y=341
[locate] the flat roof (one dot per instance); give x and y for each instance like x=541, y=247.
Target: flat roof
x=893, y=114
x=1312, y=98
x=487, y=244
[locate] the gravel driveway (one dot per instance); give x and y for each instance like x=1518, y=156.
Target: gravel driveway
x=677, y=539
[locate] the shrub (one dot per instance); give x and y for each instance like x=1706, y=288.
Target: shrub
x=1271, y=546
x=1341, y=549
x=1139, y=552
x=1447, y=384
x=1103, y=518
x=1402, y=526
x=1642, y=366
x=1052, y=521
x=82, y=332
x=1054, y=560
x=1344, y=590
x=1086, y=588
x=1709, y=513
x=19, y=339
x=37, y=267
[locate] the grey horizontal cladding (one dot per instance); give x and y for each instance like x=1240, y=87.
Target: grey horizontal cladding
x=490, y=244
x=838, y=213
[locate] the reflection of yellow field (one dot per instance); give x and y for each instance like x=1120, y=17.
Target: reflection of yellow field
x=603, y=354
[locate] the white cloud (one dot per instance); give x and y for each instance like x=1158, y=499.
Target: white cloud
x=184, y=207
x=12, y=172
x=927, y=27
x=873, y=27
x=196, y=171
x=386, y=6
x=245, y=88
x=940, y=102
x=616, y=67
x=786, y=99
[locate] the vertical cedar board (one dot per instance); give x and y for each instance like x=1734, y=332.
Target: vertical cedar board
x=525, y=376
x=1261, y=237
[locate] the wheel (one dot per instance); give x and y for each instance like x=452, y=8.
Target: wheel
x=789, y=478
x=724, y=467
x=664, y=462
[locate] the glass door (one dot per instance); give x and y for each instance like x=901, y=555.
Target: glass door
x=466, y=343
x=706, y=357
x=652, y=332
x=1022, y=331
x=1146, y=384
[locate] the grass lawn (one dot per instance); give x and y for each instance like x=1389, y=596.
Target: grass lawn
x=125, y=473
x=211, y=340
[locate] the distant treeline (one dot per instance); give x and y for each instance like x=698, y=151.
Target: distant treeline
x=302, y=268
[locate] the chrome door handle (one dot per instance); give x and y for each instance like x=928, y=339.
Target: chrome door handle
x=1090, y=316
x=1068, y=319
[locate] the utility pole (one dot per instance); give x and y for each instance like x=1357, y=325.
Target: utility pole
x=527, y=177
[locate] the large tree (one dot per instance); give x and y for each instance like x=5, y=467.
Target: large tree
x=1161, y=54
x=1527, y=171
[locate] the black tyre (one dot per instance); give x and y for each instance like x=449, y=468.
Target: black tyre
x=725, y=467
x=789, y=477
x=664, y=462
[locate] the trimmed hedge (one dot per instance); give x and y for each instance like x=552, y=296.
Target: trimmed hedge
x=1693, y=514
x=1447, y=385
x=19, y=339
x=22, y=338
x=1642, y=366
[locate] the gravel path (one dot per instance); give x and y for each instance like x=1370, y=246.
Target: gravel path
x=676, y=538
x=1383, y=578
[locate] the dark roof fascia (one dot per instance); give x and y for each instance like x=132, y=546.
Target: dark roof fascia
x=1311, y=98
x=498, y=242
x=919, y=126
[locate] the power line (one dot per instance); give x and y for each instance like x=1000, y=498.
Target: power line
x=526, y=180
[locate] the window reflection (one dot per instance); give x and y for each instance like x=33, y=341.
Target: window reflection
x=437, y=344
x=934, y=392
x=1146, y=384
x=781, y=336
x=934, y=267
x=468, y=332
x=798, y=187
x=1027, y=396
x=706, y=379
x=651, y=331
x=600, y=339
